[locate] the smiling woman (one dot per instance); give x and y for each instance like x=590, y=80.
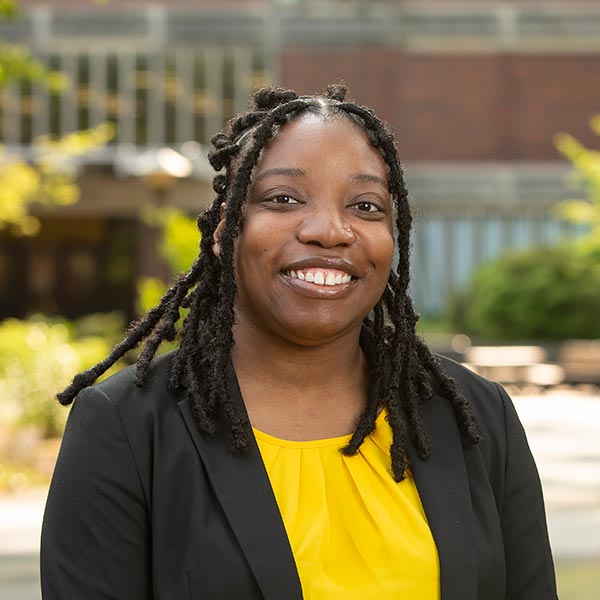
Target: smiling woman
x=302, y=442
x=318, y=208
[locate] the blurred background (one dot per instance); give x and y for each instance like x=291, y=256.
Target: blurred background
x=106, y=109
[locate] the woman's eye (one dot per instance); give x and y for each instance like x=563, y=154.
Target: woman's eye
x=284, y=199
x=367, y=207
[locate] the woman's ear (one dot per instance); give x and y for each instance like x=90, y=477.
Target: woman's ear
x=216, y=247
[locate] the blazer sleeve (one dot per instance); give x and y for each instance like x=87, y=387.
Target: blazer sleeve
x=95, y=533
x=529, y=565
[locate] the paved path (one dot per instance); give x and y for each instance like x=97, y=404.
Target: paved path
x=20, y=521
x=564, y=435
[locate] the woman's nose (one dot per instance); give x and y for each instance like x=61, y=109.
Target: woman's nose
x=325, y=227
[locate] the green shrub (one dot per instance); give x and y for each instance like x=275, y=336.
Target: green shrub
x=540, y=294
x=39, y=356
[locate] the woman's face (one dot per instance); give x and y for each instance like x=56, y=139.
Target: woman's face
x=315, y=248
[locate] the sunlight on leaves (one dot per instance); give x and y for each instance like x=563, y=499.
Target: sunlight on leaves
x=49, y=180
x=585, y=176
x=8, y=9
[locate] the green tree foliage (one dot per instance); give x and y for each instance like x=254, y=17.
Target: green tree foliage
x=586, y=175
x=8, y=9
x=180, y=240
x=16, y=62
x=38, y=358
x=539, y=294
x=50, y=178
x=547, y=293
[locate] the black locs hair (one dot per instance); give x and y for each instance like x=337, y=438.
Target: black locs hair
x=403, y=371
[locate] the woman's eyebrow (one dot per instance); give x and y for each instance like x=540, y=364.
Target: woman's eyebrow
x=370, y=179
x=293, y=172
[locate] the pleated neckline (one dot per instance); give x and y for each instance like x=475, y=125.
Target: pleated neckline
x=338, y=441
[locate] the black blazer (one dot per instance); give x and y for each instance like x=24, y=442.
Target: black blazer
x=142, y=506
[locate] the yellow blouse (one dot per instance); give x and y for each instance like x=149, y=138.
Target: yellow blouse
x=355, y=533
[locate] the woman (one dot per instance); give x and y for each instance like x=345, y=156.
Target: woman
x=302, y=442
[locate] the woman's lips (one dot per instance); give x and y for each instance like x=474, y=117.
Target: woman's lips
x=320, y=276
x=325, y=284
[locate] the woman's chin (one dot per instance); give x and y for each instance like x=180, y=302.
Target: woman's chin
x=316, y=333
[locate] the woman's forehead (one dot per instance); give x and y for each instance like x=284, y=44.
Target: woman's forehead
x=330, y=137
x=315, y=124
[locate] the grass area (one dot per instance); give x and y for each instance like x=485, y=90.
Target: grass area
x=578, y=579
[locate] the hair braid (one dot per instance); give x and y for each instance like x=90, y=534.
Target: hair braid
x=214, y=400
x=137, y=333
x=367, y=419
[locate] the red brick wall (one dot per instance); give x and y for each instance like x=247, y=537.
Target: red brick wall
x=488, y=106
x=462, y=107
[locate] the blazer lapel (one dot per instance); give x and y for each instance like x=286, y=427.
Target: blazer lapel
x=443, y=487
x=244, y=491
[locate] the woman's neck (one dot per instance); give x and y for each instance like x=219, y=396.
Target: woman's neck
x=295, y=391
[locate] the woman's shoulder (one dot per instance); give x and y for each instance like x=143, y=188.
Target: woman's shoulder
x=121, y=384
x=469, y=382
x=121, y=393
x=489, y=401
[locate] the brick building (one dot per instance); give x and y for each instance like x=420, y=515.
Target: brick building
x=475, y=91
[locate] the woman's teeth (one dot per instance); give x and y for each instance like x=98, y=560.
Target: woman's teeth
x=320, y=277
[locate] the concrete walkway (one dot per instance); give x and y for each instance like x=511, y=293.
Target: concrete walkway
x=563, y=429
x=20, y=522
x=564, y=435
